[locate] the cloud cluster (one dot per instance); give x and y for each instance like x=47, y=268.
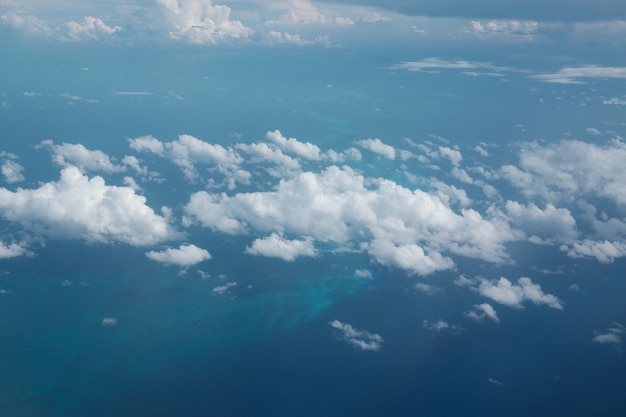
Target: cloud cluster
x=91, y=28
x=505, y=292
x=77, y=155
x=78, y=207
x=184, y=256
x=576, y=75
x=395, y=225
x=201, y=22
x=359, y=338
x=12, y=171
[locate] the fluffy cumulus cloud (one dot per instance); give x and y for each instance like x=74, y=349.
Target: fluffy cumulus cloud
x=91, y=28
x=551, y=223
x=604, y=251
x=305, y=150
x=482, y=311
x=505, y=292
x=276, y=246
x=85, y=208
x=358, y=338
x=183, y=256
x=68, y=154
x=377, y=146
x=395, y=225
x=201, y=22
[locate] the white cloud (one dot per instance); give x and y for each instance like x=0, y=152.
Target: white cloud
x=377, y=146
x=276, y=246
x=305, y=150
x=358, y=338
x=12, y=250
x=576, y=75
x=109, y=321
x=147, y=144
x=482, y=311
x=504, y=292
x=185, y=256
x=77, y=155
x=615, y=101
x=12, y=171
x=434, y=64
x=91, y=28
x=79, y=207
x=396, y=226
x=553, y=224
x=220, y=290
x=452, y=154
x=363, y=273
x=25, y=22
x=201, y=22
x=604, y=251
x=611, y=336
x=570, y=169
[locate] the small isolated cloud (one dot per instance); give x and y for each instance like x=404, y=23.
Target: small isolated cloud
x=185, y=256
x=576, y=75
x=612, y=336
x=377, y=146
x=442, y=326
x=68, y=154
x=91, y=28
x=201, y=22
x=428, y=289
x=109, y=322
x=363, y=273
x=604, y=251
x=495, y=382
x=505, y=292
x=277, y=246
x=482, y=311
x=147, y=144
x=358, y=338
x=220, y=290
x=12, y=171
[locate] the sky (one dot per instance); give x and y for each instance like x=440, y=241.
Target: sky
x=242, y=207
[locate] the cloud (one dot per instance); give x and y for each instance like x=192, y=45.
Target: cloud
x=396, y=226
x=495, y=382
x=276, y=246
x=358, y=338
x=91, y=28
x=220, y=290
x=363, y=273
x=26, y=23
x=78, y=207
x=570, y=169
x=554, y=10
x=482, y=311
x=305, y=150
x=428, y=289
x=611, y=336
x=615, y=101
x=77, y=155
x=434, y=64
x=147, y=144
x=576, y=75
x=201, y=22
x=302, y=12
x=12, y=250
x=551, y=223
x=604, y=251
x=377, y=146
x=12, y=171
x=184, y=257
x=442, y=326
x=505, y=292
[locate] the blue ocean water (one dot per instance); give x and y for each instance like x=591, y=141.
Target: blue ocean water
x=264, y=347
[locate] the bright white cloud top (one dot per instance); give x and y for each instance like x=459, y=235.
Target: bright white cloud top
x=277, y=246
